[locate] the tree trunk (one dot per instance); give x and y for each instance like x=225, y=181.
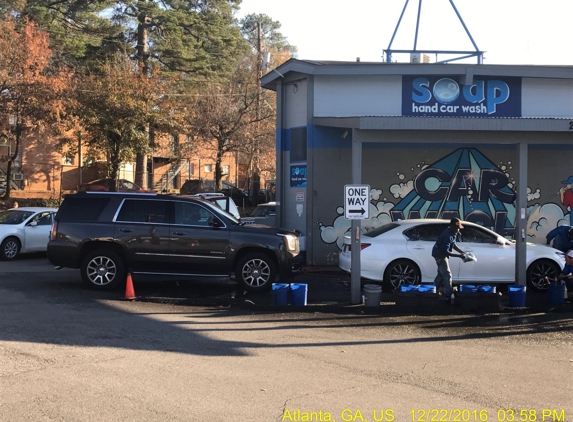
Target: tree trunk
x=218, y=175
x=11, y=158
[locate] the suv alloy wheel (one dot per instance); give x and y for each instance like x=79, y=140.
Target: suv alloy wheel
x=103, y=269
x=256, y=272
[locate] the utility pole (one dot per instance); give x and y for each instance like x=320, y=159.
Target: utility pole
x=256, y=175
x=143, y=57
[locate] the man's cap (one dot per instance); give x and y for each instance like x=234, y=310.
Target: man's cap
x=569, y=253
x=456, y=222
x=568, y=181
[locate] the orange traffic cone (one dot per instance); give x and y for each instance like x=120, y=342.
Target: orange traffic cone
x=129, y=291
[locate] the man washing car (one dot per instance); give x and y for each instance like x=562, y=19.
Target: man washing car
x=442, y=251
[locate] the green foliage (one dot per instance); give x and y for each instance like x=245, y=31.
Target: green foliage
x=195, y=36
x=115, y=103
x=270, y=35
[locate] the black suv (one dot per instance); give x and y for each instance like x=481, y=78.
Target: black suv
x=107, y=235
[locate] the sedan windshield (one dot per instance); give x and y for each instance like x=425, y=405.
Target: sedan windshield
x=14, y=216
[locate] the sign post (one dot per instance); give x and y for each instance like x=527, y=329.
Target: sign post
x=356, y=207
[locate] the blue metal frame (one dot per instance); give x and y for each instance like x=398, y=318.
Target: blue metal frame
x=465, y=54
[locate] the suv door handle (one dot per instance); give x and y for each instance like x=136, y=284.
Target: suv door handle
x=125, y=230
x=180, y=233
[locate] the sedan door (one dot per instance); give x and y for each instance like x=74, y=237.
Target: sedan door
x=37, y=231
x=197, y=245
x=421, y=240
x=495, y=261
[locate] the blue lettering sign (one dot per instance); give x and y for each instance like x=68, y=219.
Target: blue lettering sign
x=298, y=176
x=443, y=96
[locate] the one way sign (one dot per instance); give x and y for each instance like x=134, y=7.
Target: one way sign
x=357, y=202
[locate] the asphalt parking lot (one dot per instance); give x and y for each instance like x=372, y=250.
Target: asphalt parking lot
x=201, y=351
x=328, y=290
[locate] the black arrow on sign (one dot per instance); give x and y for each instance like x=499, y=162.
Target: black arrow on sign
x=360, y=211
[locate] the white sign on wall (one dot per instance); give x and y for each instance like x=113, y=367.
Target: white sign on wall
x=357, y=202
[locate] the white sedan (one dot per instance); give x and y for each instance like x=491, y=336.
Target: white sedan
x=401, y=253
x=25, y=229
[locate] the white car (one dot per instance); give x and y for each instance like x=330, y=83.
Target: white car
x=401, y=253
x=25, y=229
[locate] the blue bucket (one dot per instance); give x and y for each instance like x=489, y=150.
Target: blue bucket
x=556, y=294
x=408, y=288
x=280, y=294
x=298, y=294
x=486, y=289
x=468, y=288
x=427, y=288
x=516, y=296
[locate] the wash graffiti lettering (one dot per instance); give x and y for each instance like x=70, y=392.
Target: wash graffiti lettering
x=463, y=184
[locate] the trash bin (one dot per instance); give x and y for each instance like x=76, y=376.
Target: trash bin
x=372, y=294
x=280, y=294
x=516, y=296
x=487, y=289
x=298, y=294
x=556, y=293
x=427, y=288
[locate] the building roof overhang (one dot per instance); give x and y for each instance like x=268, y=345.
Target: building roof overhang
x=466, y=72
x=446, y=123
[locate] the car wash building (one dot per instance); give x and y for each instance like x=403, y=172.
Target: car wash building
x=491, y=144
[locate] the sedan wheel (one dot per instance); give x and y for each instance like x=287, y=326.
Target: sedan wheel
x=103, y=270
x=539, y=270
x=9, y=249
x=401, y=272
x=256, y=272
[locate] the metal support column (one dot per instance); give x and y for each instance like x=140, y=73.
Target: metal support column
x=521, y=217
x=355, y=295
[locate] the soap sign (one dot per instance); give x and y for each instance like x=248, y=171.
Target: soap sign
x=298, y=176
x=444, y=96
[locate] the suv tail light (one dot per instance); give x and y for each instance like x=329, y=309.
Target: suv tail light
x=54, y=230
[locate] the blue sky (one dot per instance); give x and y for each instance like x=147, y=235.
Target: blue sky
x=509, y=31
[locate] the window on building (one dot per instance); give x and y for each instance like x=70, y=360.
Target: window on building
x=191, y=168
x=225, y=171
x=67, y=161
x=208, y=168
x=298, y=144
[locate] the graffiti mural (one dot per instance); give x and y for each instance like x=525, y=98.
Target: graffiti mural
x=464, y=184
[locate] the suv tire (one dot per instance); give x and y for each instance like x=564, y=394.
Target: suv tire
x=103, y=269
x=256, y=272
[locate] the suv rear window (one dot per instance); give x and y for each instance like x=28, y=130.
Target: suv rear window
x=81, y=209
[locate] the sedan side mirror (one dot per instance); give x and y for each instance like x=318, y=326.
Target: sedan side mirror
x=215, y=222
x=33, y=223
